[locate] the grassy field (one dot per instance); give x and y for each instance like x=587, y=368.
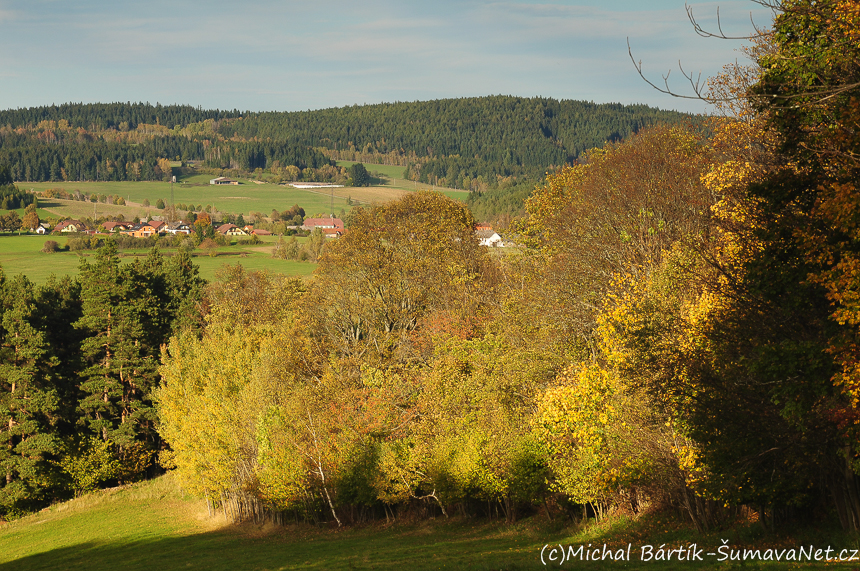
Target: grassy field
x=57, y=207
x=247, y=197
x=154, y=526
x=242, y=199
x=22, y=255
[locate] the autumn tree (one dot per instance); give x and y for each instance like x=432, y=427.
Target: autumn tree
x=809, y=93
x=30, y=221
x=613, y=213
x=398, y=263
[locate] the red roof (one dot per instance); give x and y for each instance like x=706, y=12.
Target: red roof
x=323, y=222
x=109, y=226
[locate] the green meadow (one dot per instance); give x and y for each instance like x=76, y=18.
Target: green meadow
x=243, y=199
x=155, y=526
x=23, y=255
x=246, y=197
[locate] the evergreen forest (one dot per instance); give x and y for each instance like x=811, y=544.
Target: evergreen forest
x=472, y=143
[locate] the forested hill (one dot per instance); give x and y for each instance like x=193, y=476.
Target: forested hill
x=472, y=143
x=120, y=116
x=496, y=135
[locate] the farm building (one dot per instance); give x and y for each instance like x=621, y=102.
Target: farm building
x=223, y=180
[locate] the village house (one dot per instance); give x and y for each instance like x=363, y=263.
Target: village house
x=68, y=226
x=489, y=238
x=230, y=230
x=323, y=223
x=178, y=228
x=158, y=225
x=115, y=226
x=144, y=230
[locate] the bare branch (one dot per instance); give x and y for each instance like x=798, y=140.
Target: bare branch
x=695, y=82
x=760, y=32
x=666, y=90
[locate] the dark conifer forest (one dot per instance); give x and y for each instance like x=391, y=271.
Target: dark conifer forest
x=471, y=143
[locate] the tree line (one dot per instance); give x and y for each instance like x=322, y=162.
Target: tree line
x=120, y=116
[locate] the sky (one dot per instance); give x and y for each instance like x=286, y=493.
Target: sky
x=284, y=55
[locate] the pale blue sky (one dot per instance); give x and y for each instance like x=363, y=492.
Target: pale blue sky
x=284, y=55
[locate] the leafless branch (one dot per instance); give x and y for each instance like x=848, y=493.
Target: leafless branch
x=695, y=82
x=760, y=32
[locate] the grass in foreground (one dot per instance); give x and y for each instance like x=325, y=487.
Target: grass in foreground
x=153, y=525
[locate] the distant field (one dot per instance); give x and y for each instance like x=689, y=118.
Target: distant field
x=395, y=182
x=57, y=207
x=22, y=255
x=242, y=199
x=369, y=194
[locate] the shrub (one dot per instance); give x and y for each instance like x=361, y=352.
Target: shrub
x=77, y=244
x=51, y=246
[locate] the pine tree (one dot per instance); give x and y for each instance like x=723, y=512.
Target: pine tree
x=119, y=311
x=29, y=404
